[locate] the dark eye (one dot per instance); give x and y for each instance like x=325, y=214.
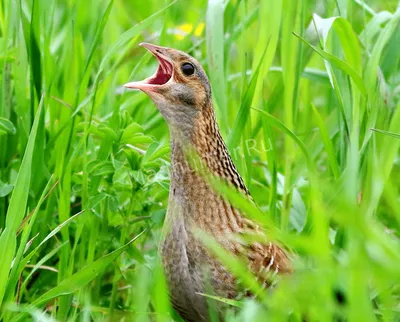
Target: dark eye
x=187, y=69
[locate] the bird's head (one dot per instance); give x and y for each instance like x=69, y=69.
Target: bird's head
x=179, y=88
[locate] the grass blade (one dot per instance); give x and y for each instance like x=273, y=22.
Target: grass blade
x=83, y=277
x=17, y=207
x=343, y=66
x=388, y=133
x=278, y=124
x=215, y=54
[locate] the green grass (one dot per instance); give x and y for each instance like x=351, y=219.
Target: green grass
x=307, y=98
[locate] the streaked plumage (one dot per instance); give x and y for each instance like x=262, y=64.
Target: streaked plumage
x=184, y=100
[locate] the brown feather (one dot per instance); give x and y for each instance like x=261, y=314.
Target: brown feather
x=185, y=102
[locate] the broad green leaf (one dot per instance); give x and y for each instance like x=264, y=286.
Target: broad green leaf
x=96, y=199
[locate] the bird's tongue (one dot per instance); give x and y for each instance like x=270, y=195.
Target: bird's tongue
x=159, y=78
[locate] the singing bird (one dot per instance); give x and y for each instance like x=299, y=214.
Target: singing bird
x=181, y=92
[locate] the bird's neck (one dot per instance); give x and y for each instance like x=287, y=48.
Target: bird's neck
x=206, y=141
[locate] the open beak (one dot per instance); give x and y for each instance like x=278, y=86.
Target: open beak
x=162, y=75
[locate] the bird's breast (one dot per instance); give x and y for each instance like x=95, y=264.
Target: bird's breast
x=183, y=260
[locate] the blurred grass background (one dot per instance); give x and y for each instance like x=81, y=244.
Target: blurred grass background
x=307, y=97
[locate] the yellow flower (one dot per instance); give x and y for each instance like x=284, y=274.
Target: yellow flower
x=186, y=29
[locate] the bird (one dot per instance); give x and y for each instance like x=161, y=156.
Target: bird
x=181, y=91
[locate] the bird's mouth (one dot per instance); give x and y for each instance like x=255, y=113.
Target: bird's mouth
x=162, y=75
